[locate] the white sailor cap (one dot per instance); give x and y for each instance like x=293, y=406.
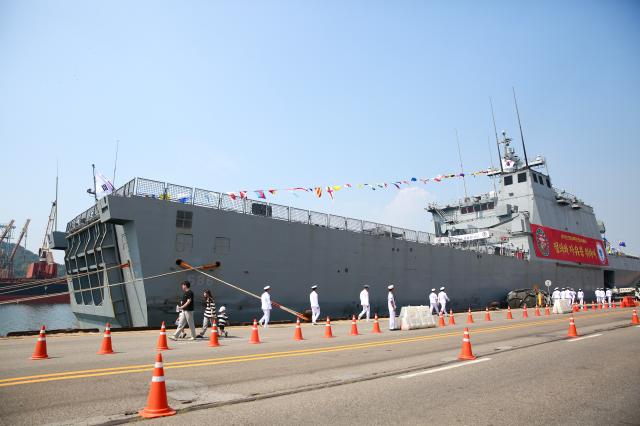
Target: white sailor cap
x=390, y=287
x=433, y=289
x=366, y=286
x=222, y=309
x=313, y=287
x=579, y=289
x=556, y=288
x=441, y=288
x=266, y=287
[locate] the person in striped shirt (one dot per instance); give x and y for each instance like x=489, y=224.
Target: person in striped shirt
x=223, y=319
x=209, y=311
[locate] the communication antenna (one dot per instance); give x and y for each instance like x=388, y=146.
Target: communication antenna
x=464, y=179
x=115, y=164
x=491, y=161
x=524, y=148
x=55, y=222
x=495, y=130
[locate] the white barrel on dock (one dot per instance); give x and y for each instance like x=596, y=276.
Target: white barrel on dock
x=562, y=306
x=414, y=317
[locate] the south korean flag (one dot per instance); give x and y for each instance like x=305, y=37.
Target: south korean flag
x=104, y=187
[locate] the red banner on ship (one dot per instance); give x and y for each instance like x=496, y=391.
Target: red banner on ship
x=555, y=244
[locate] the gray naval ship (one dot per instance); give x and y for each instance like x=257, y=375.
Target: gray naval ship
x=519, y=235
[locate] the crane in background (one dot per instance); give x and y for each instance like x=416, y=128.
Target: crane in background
x=46, y=267
x=6, y=233
x=7, y=268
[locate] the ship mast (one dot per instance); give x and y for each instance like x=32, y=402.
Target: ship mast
x=524, y=148
x=495, y=131
x=464, y=179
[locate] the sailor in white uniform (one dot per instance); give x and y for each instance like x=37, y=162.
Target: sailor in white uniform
x=581, y=297
x=364, y=301
x=556, y=296
x=391, y=304
x=609, y=294
x=572, y=292
x=598, y=296
x=443, y=299
x=315, y=306
x=433, y=302
x=266, y=307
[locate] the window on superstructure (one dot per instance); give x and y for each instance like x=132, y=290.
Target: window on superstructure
x=548, y=183
x=490, y=205
x=540, y=180
x=184, y=219
x=483, y=206
x=522, y=177
x=535, y=178
x=508, y=180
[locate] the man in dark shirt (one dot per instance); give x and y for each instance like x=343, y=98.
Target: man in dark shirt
x=186, y=304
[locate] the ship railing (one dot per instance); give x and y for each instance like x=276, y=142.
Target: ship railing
x=83, y=218
x=126, y=190
x=140, y=187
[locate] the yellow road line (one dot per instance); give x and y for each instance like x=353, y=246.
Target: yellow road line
x=78, y=374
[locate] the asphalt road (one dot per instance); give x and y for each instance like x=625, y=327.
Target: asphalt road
x=594, y=381
x=528, y=373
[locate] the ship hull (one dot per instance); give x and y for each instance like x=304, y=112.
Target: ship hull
x=36, y=294
x=255, y=251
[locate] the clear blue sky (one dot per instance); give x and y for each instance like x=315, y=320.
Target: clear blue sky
x=260, y=94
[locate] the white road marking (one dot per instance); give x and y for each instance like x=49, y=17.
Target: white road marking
x=584, y=337
x=448, y=367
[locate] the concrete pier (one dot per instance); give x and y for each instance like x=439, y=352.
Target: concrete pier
x=526, y=372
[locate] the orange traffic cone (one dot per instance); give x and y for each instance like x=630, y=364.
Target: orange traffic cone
x=575, y=308
x=572, y=328
x=487, y=315
x=614, y=305
x=376, y=325
x=157, y=404
x=162, y=339
x=213, y=339
x=105, y=348
x=509, y=315
x=465, y=352
x=297, y=335
x=593, y=306
x=327, y=329
x=584, y=307
x=354, y=326
x=41, y=346
x=441, y=320
x=634, y=317
x=452, y=320
x=469, y=317
x=547, y=311
x=525, y=314
x=537, y=311
x=255, y=338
